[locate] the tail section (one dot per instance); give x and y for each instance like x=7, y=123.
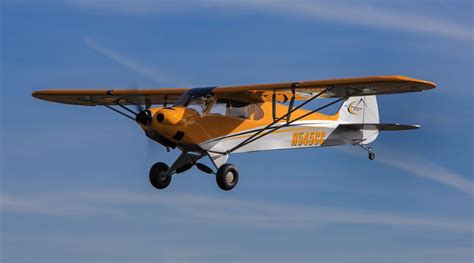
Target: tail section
x=361, y=110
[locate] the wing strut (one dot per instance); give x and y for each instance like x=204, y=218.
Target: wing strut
x=258, y=134
x=292, y=102
x=127, y=109
x=117, y=111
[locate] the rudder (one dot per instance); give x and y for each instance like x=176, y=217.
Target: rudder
x=361, y=110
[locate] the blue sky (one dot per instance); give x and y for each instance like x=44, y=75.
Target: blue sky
x=74, y=183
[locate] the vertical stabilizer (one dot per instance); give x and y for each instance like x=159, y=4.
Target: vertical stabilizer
x=361, y=110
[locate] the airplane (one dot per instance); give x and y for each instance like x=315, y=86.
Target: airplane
x=216, y=121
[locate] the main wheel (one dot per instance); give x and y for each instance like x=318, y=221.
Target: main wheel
x=158, y=177
x=372, y=156
x=227, y=177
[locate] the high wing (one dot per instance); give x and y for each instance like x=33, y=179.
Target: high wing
x=111, y=97
x=335, y=88
x=304, y=90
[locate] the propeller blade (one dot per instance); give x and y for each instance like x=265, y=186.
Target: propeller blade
x=147, y=103
x=138, y=106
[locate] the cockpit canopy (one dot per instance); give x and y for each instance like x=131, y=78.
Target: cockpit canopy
x=194, y=96
x=204, y=102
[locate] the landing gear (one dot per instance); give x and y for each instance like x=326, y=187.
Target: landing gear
x=227, y=177
x=159, y=177
x=160, y=174
x=371, y=156
x=369, y=150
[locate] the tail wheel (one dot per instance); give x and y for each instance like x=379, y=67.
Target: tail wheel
x=371, y=156
x=158, y=176
x=227, y=177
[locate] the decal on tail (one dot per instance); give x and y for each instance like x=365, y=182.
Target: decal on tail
x=361, y=110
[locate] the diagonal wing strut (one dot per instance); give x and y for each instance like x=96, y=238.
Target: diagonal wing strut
x=259, y=134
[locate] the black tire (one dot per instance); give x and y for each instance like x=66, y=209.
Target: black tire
x=227, y=177
x=371, y=156
x=158, y=177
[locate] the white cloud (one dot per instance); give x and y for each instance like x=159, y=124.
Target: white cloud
x=418, y=166
x=208, y=209
x=423, y=168
x=336, y=11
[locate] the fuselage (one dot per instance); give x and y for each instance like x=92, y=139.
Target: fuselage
x=192, y=131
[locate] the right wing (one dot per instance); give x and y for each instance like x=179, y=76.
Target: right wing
x=86, y=97
x=333, y=88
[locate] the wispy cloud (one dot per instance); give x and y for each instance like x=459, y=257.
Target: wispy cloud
x=423, y=168
x=361, y=14
x=208, y=209
x=126, y=62
x=372, y=16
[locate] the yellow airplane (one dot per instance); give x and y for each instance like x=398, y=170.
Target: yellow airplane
x=217, y=121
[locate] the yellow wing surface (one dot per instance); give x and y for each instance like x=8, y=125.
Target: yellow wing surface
x=335, y=88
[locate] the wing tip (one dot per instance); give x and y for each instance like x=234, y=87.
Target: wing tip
x=38, y=94
x=426, y=84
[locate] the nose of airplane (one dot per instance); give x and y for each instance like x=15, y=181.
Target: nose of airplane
x=171, y=122
x=144, y=117
x=169, y=116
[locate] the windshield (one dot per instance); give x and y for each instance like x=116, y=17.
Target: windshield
x=193, y=96
x=197, y=99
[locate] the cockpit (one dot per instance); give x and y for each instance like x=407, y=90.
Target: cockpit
x=205, y=103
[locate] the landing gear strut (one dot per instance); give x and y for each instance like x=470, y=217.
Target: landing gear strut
x=369, y=150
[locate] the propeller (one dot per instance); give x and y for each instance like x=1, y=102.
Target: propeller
x=144, y=117
x=142, y=114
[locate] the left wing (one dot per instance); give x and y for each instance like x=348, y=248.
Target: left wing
x=335, y=88
x=86, y=97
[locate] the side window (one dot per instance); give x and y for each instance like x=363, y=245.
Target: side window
x=236, y=109
x=257, y=112
x=219, y=108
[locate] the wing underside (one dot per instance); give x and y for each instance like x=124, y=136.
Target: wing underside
x=111, y=97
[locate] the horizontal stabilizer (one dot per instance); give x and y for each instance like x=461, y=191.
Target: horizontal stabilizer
x=380, y=126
